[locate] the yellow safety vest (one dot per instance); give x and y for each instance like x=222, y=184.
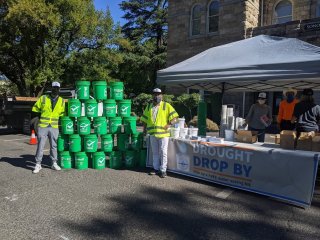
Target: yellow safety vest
x=166, y=114
x=49, y=117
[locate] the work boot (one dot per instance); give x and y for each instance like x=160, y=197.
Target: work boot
x=154, y=172
x=56, y=167
x=163, y=174
x=37, y=168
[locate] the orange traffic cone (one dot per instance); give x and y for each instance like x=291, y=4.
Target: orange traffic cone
x=33, y=139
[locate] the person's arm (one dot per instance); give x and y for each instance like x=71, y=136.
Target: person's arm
x=295, y=114
x=280, y=113
x=249, y=116
x=172, y=116
x=269, y=115
x=37, y=106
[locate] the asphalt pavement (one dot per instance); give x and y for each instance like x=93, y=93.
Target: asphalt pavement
x=129, y=204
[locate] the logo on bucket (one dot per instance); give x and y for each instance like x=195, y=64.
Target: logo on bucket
x=91, y=108
x=80, y=159
x=107, y=143
x=74, y=109
x=124, y=110
x=69, y=125
x=129, y=160
x=101, y=160
x=83, y=126
x=90, y=144
x=110, y=110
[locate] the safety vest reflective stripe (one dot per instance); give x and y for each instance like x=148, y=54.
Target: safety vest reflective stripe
x=156, y=133
x=43, y=121
x=170, y=114
x=155, y=127
x=53, y=119
x=164, y=106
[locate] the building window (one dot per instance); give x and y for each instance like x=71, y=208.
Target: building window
x=196, y=20
x=283, y=12
x=213, y=16
x=318, y=9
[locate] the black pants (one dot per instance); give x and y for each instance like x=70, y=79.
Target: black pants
x=287, y=125
x=261, y=133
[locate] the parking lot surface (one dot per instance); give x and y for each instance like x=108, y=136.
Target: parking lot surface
x=129, y=204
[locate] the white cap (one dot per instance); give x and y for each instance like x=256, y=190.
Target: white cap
x=55, y=84
x=157, y=90
x=262, y=95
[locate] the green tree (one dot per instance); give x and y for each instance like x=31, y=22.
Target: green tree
x=140, y=102
x=41, y=38
x=189, y=101
x=147, y=30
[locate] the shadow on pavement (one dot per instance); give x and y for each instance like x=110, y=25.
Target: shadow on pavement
x=26, y=161
x=184, y=213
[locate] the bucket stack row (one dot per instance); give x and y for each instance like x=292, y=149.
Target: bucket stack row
x=100, y=138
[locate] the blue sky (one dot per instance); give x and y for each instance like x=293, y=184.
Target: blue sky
x=114, y=8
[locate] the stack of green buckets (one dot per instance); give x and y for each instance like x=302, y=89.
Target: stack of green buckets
x=78, y=142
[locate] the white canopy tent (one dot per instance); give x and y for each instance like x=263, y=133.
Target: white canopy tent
x=262, y=63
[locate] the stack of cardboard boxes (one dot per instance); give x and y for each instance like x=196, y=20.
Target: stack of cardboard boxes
x=307, y=141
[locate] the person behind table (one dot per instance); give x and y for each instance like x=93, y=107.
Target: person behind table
x=157, y=118
x=50, y=107
x=259, y=116
x=306, y=113
x=286, y=108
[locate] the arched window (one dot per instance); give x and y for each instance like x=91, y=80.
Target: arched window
x=283, y=12
x=196, y=20
x=318, y=9
x=213, y=16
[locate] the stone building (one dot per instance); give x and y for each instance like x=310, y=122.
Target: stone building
x=196, y=25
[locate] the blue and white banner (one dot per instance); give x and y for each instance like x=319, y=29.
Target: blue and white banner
x=286, y=175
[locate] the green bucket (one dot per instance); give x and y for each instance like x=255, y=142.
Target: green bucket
x=136, y=140
x=81, y=161
x=62, y=143
x=130, y=125
x=106, y=143
x=116, y=90
x=100, y=90
x=99, y=160
x=84, y=126
x=90, y=143
x=124, y=108
x=123, y=142
x=65, y=160
x=83, y=89
x=142, y=154
x=66, y=125
x=74, y=108
x=109, y=108
x=130, y=159
x=115, y=125
x=75, y=143
x=91, y=108
x=100, y=125
x=115, y=161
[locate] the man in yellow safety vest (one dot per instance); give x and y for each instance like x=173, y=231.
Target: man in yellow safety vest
x=50, y=107
x=157, y=118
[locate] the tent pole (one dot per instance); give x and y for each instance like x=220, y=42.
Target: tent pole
x=222, y=91
x=243, y=103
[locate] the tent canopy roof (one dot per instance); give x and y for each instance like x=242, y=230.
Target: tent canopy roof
x=264, y=62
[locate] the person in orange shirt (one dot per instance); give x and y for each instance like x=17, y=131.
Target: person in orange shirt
x=286, y=108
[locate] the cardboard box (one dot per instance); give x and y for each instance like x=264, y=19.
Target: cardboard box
x=276, y=138
x=316, y=143
x=304, y=141
x=288, y=139
x=246, y=136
